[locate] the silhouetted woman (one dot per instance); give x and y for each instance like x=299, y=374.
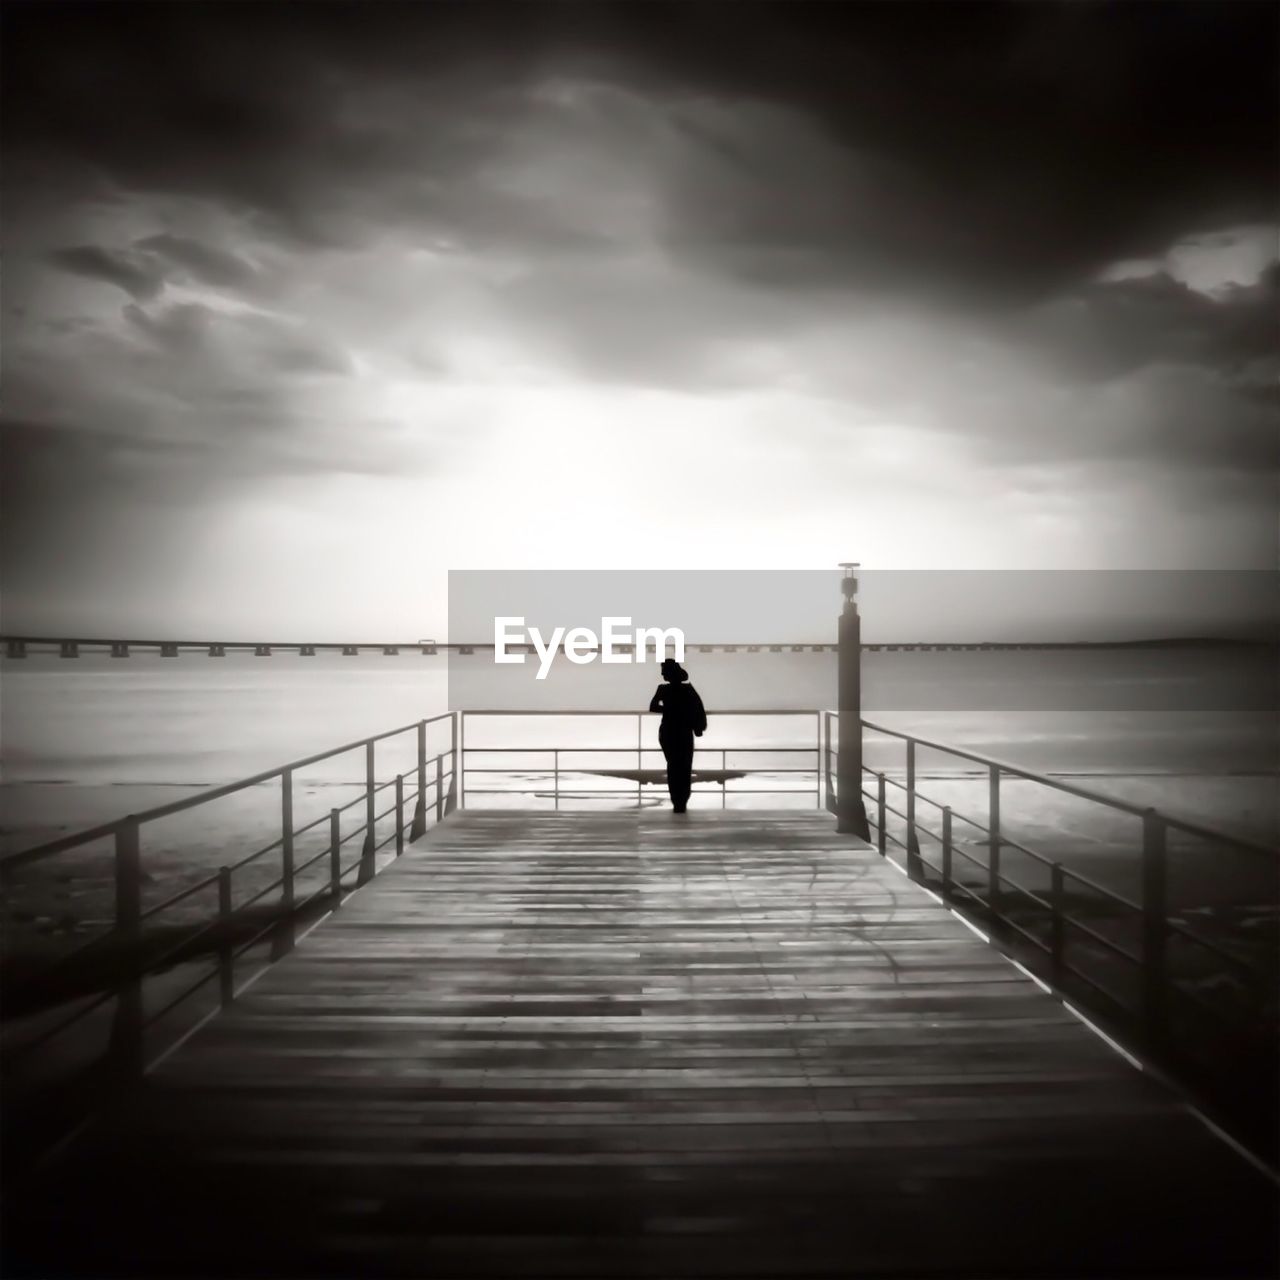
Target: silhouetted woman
x=683, y=719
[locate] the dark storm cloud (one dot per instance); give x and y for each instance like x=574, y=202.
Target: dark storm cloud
x=204, y=263
x=986, y=153
x=137, y=274
x=1104, y=329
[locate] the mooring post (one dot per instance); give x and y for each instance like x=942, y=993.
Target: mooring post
x=419, y=827
x=851, y=812
x=126, y=1029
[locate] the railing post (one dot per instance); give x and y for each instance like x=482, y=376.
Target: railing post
x=915, y=868
x=640, y=760
x=946, y=849
x=458, y=754
x=1154, y=927
x=881, y=808
x=127, y=1026
x=226, y=957
x=993, y=846
x=440, y=801
x=1058, y=925
x=284, y=935
x=365, y=874
x=335, y=856
x=555, y=766
x=399, y=814
x=817, y=759
x=826, y=763
x=419, y=827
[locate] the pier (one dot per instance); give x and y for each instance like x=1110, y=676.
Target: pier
x=625, y=1044
x=502, y=1013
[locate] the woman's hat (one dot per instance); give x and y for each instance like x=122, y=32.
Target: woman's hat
x=673, y=671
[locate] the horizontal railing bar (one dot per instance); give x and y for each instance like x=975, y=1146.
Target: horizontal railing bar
x=1097, y=986
x=178, y=999
x=262, y=893
x=199, y=887
x=253, y=857
x=325, y=889
x=633, y=712
x=21, y=1050
x=310, y=862
x=1028, y=935
x=632, y=750
x=204, y=797
x=957, y=847
x=1102, y=889
x=255, y=940
x=1083, y=793
x=299, y=831
x=970, y=892
x=183, y=943
x=1224, y=1018
x=1022, y=848
x=1102, y=940
x=1018, y=887
x=630, y=791
x=1191, y=936
x=66, y=957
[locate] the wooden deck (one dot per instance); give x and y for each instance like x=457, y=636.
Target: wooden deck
x=636, y=1044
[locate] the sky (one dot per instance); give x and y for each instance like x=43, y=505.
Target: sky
x=306, y=305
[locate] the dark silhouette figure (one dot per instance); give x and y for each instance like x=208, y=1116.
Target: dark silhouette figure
x=683, y=719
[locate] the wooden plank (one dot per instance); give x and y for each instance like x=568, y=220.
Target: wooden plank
x=628, y=1044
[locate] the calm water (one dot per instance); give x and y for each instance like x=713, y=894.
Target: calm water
x=80, y=737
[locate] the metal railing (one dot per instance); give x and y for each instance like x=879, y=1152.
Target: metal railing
x=969, y=868
x=553, y=768
x=125, y=950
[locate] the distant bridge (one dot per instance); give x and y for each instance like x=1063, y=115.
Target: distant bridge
x=20, y=646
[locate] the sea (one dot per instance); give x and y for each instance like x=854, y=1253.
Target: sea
x=1190, y=730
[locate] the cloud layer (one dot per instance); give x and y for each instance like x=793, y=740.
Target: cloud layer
x=910, y=266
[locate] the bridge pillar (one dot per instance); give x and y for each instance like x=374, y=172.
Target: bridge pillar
x=119, y=649
x=851, y=811
x=217, y=651
x=348, y=651
x=168, y=650
x=262, y=651
x=16, y=649
x=68, y=649
x=390, y=650
x=307, y=651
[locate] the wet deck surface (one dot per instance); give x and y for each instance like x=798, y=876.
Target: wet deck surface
x=635, y=1044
